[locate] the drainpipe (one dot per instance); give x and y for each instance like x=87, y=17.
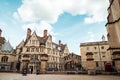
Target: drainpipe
x=100, y=56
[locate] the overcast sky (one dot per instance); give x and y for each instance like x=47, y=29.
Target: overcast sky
x=71, y=21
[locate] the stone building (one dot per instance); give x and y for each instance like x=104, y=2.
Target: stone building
x=30, y=52
x=8, y=59
x=101, y=57
x=113, y=30
x=72, y=62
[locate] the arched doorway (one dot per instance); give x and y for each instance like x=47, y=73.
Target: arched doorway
x=34, y=64
x=70, y=66
x=108, y=67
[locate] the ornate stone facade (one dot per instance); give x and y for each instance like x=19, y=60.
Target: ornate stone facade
x=72, y=62
x=8, y=58
x=101, y=57
x=31, y=50
x=113, y=29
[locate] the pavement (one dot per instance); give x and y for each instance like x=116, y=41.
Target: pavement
x=16, y=76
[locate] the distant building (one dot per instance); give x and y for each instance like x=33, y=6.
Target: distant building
x=34, y=46
x=8, y=59
x=101, y=57
x=72, y=62
x=113, y=30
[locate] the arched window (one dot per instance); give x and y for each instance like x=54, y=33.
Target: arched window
x=4, y=59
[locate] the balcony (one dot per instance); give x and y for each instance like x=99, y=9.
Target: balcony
x=44, y=57
x=116, y=55
x=89, y=56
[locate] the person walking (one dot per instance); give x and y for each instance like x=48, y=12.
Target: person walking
x=31, y=70
x=24, y=71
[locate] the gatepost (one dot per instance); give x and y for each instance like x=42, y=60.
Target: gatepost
x=44, y=59
x=90, y=63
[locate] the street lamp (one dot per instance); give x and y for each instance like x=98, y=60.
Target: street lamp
x=60, y=61
x=100, y=55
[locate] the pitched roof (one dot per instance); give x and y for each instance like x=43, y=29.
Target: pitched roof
x=63, y=47
x=42, y=40
x=6, y=47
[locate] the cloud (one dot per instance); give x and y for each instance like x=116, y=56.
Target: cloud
x=50, y=10
x=3, y=24
x=91, y=37
x=40, y=27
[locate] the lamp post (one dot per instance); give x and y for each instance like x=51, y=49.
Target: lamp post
x=100, y=55
x=60, y=61
x=53, y=65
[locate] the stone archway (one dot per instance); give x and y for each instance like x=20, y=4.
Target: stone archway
x=70, y=66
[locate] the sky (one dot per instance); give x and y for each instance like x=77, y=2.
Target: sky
x=71, y=21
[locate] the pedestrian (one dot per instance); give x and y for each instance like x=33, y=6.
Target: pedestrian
x=24, y=71
x=31, y=70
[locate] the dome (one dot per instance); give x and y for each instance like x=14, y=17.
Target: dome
x=6, y=47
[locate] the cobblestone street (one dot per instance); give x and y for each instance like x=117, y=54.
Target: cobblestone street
x=13, y=76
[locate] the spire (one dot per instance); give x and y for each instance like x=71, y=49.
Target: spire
x=103, y=38
x=7, y=46
x=59, y=42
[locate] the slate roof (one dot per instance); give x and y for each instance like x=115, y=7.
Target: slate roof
x=6, y=47
x=43, y=40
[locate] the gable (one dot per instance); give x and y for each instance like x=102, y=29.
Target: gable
x=49, y=42
x=66, y=49
x=33, y=40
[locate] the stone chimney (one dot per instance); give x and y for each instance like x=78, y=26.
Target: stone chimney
x=0, y=33
x=45, y=33
x=28, y=33
x=59, y=42
x=103, y=38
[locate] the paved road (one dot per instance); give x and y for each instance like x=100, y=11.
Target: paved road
x=14, y=76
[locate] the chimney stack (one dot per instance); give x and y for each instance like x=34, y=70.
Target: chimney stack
x=59, y=42
x=0, y=33
x=28, y=33
x=45, y=33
